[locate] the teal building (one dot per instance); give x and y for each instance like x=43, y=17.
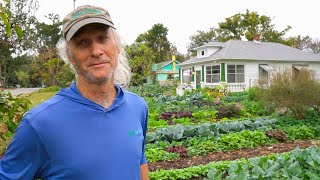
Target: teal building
x=166, y=71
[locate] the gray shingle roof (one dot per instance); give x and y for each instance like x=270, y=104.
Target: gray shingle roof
x=211, y=44
x=249, y=50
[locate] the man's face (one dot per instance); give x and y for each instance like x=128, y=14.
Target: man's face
x=94, y=53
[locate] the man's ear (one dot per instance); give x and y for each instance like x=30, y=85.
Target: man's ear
x=70, y=56
x=118, y=49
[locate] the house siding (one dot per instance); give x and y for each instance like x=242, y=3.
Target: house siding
x=164, y=72
x=251, y=71
x=169, y=67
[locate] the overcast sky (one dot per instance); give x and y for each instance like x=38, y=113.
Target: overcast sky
x=184, y=17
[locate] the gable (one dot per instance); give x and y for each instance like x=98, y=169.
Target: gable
x=169, y=67
x=207, y=51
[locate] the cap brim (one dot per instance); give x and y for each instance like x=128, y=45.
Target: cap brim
x=84, y=22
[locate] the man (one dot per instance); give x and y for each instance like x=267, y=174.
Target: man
x=92, y=130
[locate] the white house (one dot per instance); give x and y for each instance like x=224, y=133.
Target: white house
x=239, y=64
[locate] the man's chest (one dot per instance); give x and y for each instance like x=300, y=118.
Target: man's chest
x=98, y=145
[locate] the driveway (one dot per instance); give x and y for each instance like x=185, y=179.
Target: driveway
x=17, y=91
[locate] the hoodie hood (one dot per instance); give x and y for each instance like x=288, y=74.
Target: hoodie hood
x=73, y=94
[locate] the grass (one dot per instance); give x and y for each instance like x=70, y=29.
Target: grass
x=39, y=97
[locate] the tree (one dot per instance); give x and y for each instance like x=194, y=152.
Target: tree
x=306, y=43
x=241, y=26
x=174, y=51
x=18, y=64
x=201, y=38
x=23, y=78
x=16, y=16
x=65, y=76
x=47, y=66
x=21, y=16
x=141, y=61
x=53, y=67
x=156, y=39
x=6, y=15
x=47, y=36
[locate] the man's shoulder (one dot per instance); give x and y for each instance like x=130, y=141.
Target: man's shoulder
x=45, y=107
x=133, y=96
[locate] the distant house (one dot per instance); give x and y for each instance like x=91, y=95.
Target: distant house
x=166, y=71
x=239, y=64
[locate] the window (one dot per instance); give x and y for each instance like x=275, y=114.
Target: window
x=264, y=73
x=213, y=74
x=235, y=73
x=297, y=68
x=202, y=53
x=186, y=75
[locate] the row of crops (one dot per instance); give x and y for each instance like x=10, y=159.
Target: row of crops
x=297, y=164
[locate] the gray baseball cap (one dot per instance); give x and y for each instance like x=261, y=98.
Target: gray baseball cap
x=82, y=16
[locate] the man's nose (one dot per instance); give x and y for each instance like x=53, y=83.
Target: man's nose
x=96, y=49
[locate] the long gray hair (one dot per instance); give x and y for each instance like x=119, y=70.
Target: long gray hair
x=123, y=71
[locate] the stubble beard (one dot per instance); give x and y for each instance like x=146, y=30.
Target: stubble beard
x=91, y=79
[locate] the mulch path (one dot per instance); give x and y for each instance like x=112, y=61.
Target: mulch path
x=230, y=155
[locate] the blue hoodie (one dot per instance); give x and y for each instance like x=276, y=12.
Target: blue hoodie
x=72, y=138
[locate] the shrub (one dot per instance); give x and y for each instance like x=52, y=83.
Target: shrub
x=170, y=115
x=296, y=91
x=229, y=110
x=252, y=94
x=212, y=92
x=66, y=76
x=277, y=134
x=11, y=111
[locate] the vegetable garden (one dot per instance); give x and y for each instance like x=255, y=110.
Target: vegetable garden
x=209, y=134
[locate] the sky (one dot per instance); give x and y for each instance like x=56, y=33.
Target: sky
x=184, y=18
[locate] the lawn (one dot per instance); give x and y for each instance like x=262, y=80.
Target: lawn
x=39, y=97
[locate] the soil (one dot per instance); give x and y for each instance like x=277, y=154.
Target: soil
x=230, y=155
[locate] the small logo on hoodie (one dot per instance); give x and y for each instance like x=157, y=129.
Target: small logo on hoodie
x=135, y=133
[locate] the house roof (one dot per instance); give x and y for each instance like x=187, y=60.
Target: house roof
x=249, y=50
x=211, y=44
x=163, y=64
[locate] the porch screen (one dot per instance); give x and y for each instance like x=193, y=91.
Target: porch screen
x=298, y=68
x=302, y=67
x=213, y=74
x=264, y=73
x=235, y=73
x=186, y=75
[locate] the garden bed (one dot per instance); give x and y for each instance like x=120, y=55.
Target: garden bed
x=230, y=155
